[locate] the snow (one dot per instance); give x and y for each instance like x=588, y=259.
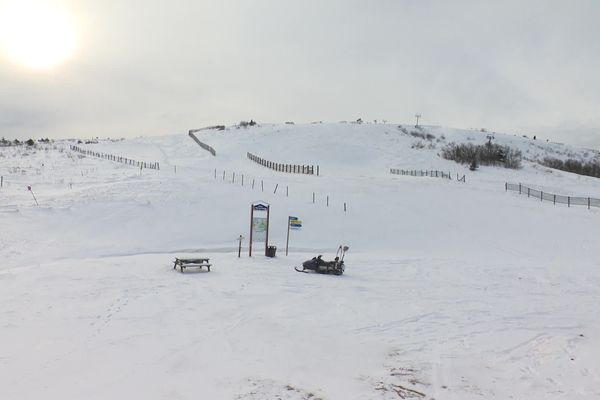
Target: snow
x=452, y=290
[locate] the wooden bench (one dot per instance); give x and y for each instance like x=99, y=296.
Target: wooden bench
x=191, y=262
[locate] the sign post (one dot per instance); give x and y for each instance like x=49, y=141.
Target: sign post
x=259, y=225
x=240, y=246
x=295, y=224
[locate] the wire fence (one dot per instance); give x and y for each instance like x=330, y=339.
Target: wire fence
x=111, y=157
x=432, y=174
x=244, y=180
x=290, y=168
x=554, y=198
x=203, y=145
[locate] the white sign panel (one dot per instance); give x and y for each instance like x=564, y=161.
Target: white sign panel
x=259, y=229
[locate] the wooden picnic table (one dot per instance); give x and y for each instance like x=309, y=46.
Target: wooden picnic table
x=191, y=262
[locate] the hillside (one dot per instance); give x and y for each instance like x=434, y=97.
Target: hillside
x=452, y=290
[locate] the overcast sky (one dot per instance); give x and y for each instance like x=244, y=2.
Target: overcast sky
x=148, y=67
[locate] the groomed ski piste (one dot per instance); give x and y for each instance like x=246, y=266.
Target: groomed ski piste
x=452, y=290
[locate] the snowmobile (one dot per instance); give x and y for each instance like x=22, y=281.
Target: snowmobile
x=320, y=266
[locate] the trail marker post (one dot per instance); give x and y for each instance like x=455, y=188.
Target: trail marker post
x=240, y=246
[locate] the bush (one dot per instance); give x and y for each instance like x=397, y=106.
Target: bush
x=488, y=154
x=590, y=168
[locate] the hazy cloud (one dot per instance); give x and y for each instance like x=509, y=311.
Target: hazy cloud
x=152, y=67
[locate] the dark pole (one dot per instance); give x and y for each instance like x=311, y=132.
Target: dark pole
x=267, y=236
x=287, y=241
x=36, y=202
x=251, y=220
x=240, y=247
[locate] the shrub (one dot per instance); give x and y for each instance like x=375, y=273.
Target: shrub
x=590, y=168
x=488, y=154
x=422, y=135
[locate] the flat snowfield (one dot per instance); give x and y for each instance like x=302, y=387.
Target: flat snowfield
x=452, y=290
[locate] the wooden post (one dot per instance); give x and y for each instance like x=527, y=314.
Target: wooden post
x=223, y=174
x=519, y=188
x=287, y=241
x=541, y=196
x=554, y=199
x=267, y=235
x=251, y=220
x=327, y=200
x=240, y=246
x=233, y=179
x=252, y=183
x=344, y=206
x=568, y=201
x=262, y=186
x=276, y=186
x=215, y=173
x=242, y=179
x=506, y=186
x=317, y=170
x=287, y=191
x=313, y=197
x=1, y=181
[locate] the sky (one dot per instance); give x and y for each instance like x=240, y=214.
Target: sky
x=148, y=67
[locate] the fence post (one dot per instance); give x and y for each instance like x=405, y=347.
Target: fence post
x=262, y=186
x=554, y=199
x=569, y=201
x=242, y=179
x=233, y=179
x=313, y=197
x=527, y=192
x=223, y=174
x=276, y=186
x=252, y=183
x=287, y=191
x=1, y=181
x=344, y=206
x=506, y=186
x=327, y=200
x=317, y=170
x=519, y=188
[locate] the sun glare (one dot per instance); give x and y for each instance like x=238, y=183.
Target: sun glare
x=36, y=34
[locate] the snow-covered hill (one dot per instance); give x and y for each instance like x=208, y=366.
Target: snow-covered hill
x=453, y=290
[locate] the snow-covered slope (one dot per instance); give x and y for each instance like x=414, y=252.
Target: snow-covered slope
x=453, y=290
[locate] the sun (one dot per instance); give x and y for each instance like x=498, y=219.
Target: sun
x=35, y=33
